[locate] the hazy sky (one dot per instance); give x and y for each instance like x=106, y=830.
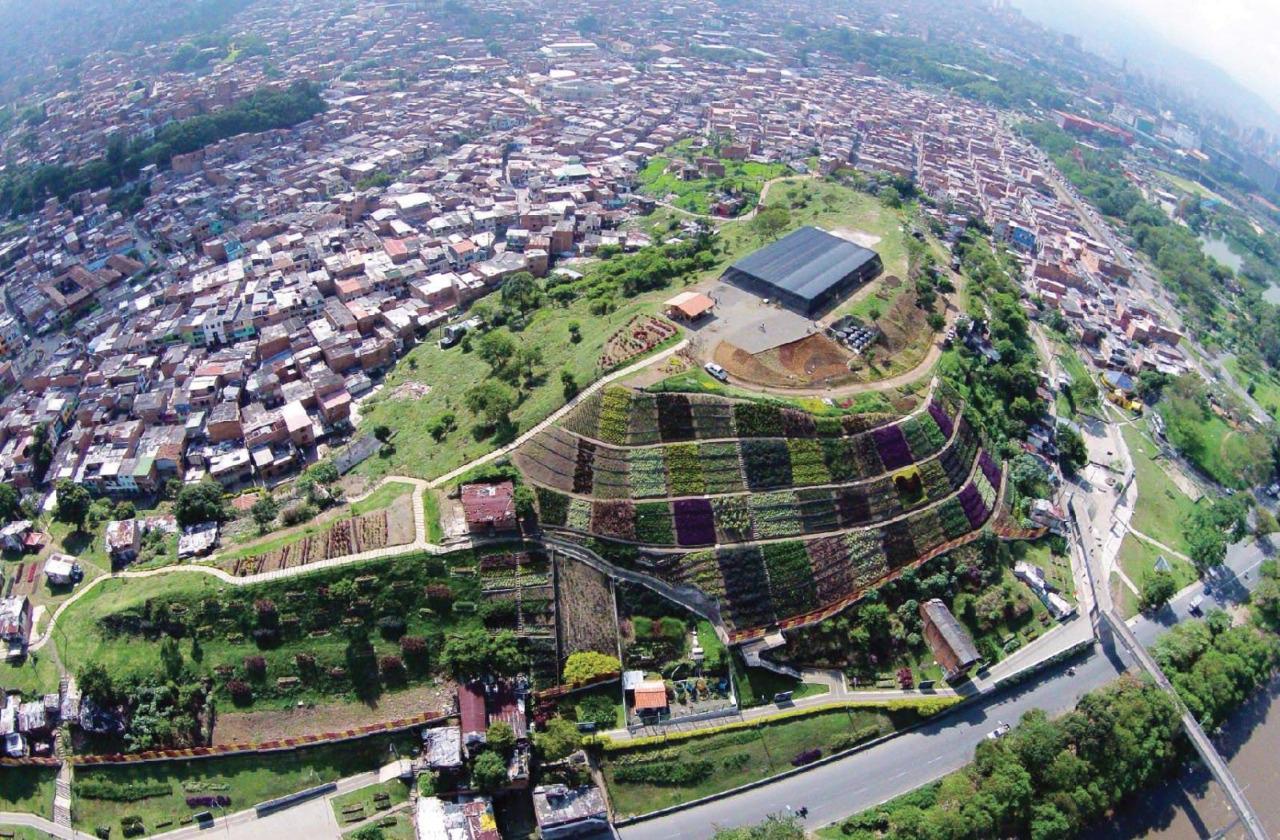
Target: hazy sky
x=1240, y=36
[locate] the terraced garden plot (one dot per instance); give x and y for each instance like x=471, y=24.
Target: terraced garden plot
x=746, y=587
x=675, y=418
x=807, y=464
x=791, y=586
x=647, y=472
x=721, y=467
x=342, y=538
x=767, y=464
x=733, y=519
x=684, y=470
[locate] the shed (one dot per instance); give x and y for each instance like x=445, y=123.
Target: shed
x=689, y=306
x=951, y=644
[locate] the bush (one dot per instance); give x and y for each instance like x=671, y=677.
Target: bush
x=255, y=667
x=92, y=788
x=391, y=627
x=665, y=773
x=391, y=667
x=439, y=596
x=296, y=515
x=586, y=665
x=241, y=692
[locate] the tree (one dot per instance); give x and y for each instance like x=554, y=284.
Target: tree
x=500, y=737
x=264, y=511
x=770, y=222
x=171, y=657
x=497, y=348
x=73, y=503
x=492, y=401
x=569, y=383
x=520, y=292
x=473, y=653
x=1157, y=589
x=488, y=773
x=773, y=828
x=95, y=682
x=1072, y=452
x=369, y=832
x=560, y=739
x=9, y=502
x=201, y=502
x=586, y=665
x=382, y=432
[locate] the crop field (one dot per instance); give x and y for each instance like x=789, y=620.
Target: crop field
x=804, y=511
x=585, y=608
x=343, y=537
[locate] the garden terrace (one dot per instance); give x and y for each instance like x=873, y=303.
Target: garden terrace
x=694, y=482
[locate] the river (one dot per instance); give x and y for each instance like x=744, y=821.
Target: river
x=1193, y=806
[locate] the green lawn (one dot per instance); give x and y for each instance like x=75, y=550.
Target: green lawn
x=247, y=780
x=1162, y=507
x=450, y=373
x=400, y=829
x=1138, y=560
x=381, y=497
x=745, y=755
x=1264, y=381
x=344, y=806
x=37, y=673
x=22, y=832
x=1083, y=386
x=28, y=790
x=431, y=514
x=757, y=686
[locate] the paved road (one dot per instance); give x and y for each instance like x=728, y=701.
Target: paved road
x=840, y=789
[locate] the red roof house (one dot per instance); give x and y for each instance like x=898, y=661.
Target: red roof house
x=489, y=507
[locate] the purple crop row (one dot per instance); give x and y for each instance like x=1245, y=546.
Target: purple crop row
x=989, y=468
x=208, y=801
x=971, y=501
x=940, y=416
x=695, y=523
x=892, y=446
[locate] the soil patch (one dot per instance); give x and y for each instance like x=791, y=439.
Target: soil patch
x=400, y=529
x=814, y=360
x=255, y=727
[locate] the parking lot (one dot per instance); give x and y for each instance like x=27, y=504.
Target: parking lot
x=747, y=322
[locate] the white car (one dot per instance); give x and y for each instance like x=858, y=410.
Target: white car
x=716, y=371
x=999, y=732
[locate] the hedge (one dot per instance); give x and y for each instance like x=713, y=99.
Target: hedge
x=92, y=788
x=671, y=773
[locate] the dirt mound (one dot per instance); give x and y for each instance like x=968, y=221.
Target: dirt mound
x=812, y=361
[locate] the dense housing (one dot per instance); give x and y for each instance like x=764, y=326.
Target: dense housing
x=807, y=270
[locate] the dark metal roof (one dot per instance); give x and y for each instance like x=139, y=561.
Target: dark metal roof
x=806, y=261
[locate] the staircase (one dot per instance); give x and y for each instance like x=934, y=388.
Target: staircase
x=61, y=749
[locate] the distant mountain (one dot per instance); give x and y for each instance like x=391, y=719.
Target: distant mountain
x=1115, y=35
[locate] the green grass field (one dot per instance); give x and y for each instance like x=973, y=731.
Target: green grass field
x=449, y=373
x=1162, y=507
x=1057, y=567
x=743, y=756
x=27, y=790
x=431, y=515
x=1138, y=559
x=1265, y=383
x=1124, y=599
x=22, y=832
x=344, y=806
x=247, y=780
x=34, y=674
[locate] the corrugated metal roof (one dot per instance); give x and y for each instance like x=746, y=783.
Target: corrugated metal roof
x=805, y=262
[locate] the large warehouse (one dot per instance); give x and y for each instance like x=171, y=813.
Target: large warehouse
x=807, y=270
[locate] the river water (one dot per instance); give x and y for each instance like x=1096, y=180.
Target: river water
x=1193, y=806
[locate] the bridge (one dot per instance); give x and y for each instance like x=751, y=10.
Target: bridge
x=1103, y=614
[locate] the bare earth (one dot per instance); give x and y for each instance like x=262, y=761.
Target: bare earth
x=400, y=530
x=254, y=727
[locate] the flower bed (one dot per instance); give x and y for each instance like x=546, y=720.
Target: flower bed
x=817, y=511
x=936, y=484
x=553, y=507
x=941, y=417
x=721, y=467
x=987, y=491
x=647, y=472
x=774, y=515
x=579, y=518
x=923, y=436
x=866, y=457
x=585, y=417
x=971, y=500
x=675, y=418
x=807, y=463
x=611, y=469
x=758, y=419
x=695, y=524
x=989, y=468
x=798, y=424
x=910, y=486
x=791, y=586
x=614, y=414
x=837, y=456
x=684, y=470
x=954, y=521
x=746, y=587
x=642, y=425
x=899, y=548
x=637, y=337
x=853, y=424
x=702, y=569
x=853, y=507
x=927, y=532
x=583, y=474
x=733, y=519
x=829, y=564
x=713, y=418
x=867, y=560
x=767, y=463
x=892, y=447
x=614, y=519
x=653, y=523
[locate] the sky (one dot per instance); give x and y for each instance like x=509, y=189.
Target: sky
x=1239, y=36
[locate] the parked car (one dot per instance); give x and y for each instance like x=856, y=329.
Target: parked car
x=716, y=371
x=999, y=732
x=1194, y=607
